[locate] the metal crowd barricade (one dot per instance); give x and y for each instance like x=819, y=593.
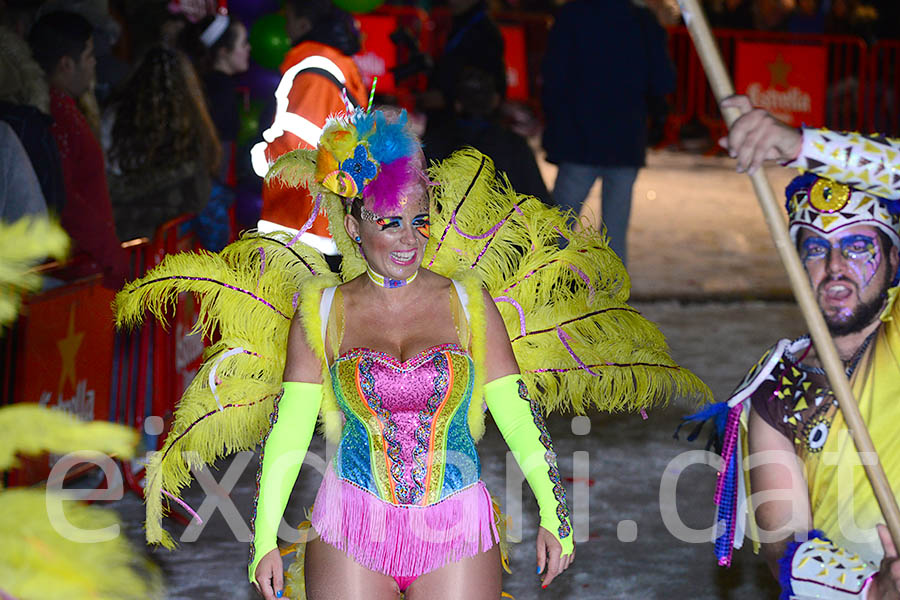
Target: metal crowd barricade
x=156, y=362
x=64, y=352
x=846, y=78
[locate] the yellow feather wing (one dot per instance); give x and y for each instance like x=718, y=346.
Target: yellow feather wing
x=248, y=294
x=575, y=338
x=40, y=553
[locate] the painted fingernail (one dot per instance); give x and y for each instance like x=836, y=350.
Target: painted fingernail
x=539, y=569
x=279, y=593
x=544, y=587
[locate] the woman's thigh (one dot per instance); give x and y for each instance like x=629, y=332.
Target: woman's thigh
x=332, y=575
x=474, y=578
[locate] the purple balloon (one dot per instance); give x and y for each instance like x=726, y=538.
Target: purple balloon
x=260, y=81
x=249, y=10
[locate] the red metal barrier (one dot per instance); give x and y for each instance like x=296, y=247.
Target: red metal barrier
x=846, y=78
x=526, y=32
x=64, y=352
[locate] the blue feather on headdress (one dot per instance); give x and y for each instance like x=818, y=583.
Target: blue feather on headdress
x=391, y=141
x=364, y=122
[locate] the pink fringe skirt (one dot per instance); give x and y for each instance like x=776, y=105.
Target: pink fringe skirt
x=403, y=540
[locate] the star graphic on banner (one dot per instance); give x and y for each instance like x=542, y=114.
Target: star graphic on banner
x=778, y=72
x=68, y=348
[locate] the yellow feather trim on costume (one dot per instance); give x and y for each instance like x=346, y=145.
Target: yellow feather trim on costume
x=352, y=263
x=295, y=169
x=247, y=294
x=574, y=337
x=330, y=421
x=31, y=429
x=477, y=327
x=23, y=244
x=38, y=561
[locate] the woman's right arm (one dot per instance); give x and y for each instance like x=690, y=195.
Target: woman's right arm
x=284, y=448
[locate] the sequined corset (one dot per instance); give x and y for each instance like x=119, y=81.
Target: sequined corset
x=406, y=437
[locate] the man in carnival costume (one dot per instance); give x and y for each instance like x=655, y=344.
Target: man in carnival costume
x=810, y=504
x=453, y=299
x=317, y=74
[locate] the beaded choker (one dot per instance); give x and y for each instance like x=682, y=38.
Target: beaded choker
x=386, y=282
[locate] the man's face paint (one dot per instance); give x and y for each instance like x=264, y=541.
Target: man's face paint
x=861, y=252
x=849, y=272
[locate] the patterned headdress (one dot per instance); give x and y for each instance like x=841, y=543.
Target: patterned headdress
x=824, y=206
x=372, y=156
x=369, y=156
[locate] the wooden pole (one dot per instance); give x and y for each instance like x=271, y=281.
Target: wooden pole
x=723, y=88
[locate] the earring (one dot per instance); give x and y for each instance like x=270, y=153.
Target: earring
x=357, y=239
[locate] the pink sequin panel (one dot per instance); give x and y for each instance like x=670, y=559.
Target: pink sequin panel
x=403, y=395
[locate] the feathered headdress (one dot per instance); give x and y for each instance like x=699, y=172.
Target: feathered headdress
x=366, y=155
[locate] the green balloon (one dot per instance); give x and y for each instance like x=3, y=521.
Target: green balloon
x=248, y=131
x=358, y=6
x=269, y=40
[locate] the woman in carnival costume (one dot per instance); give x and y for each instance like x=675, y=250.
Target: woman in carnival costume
x=454, y=298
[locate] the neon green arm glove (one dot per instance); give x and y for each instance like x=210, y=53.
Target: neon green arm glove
x=521, y=424
x=284, y=448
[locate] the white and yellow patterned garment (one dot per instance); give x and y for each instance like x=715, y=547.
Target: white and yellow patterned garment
x=841, y=497
x=868, y=163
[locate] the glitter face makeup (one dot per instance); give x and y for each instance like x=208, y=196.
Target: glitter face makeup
x=860, y=251
x=389, y=222
x=422, y=223
x=367, y=214
x=395, y=244
x=849, y=272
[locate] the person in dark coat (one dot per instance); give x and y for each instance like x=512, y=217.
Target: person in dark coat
x=476, y=125
x=606, y=65
x=25, y=107
x=474, y=40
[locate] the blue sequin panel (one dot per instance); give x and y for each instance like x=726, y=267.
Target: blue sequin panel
x=463, y=467
x=352, y=460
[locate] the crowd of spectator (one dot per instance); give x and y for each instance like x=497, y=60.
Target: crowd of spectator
x=116, y=143
x=121, y=116
x=869, y=19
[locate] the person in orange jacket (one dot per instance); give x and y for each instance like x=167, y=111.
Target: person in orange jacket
x=315, y=74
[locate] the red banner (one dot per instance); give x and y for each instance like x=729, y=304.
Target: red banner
x=378, y=54
x=66, y=357
x=787, y=80
x=516, y=62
